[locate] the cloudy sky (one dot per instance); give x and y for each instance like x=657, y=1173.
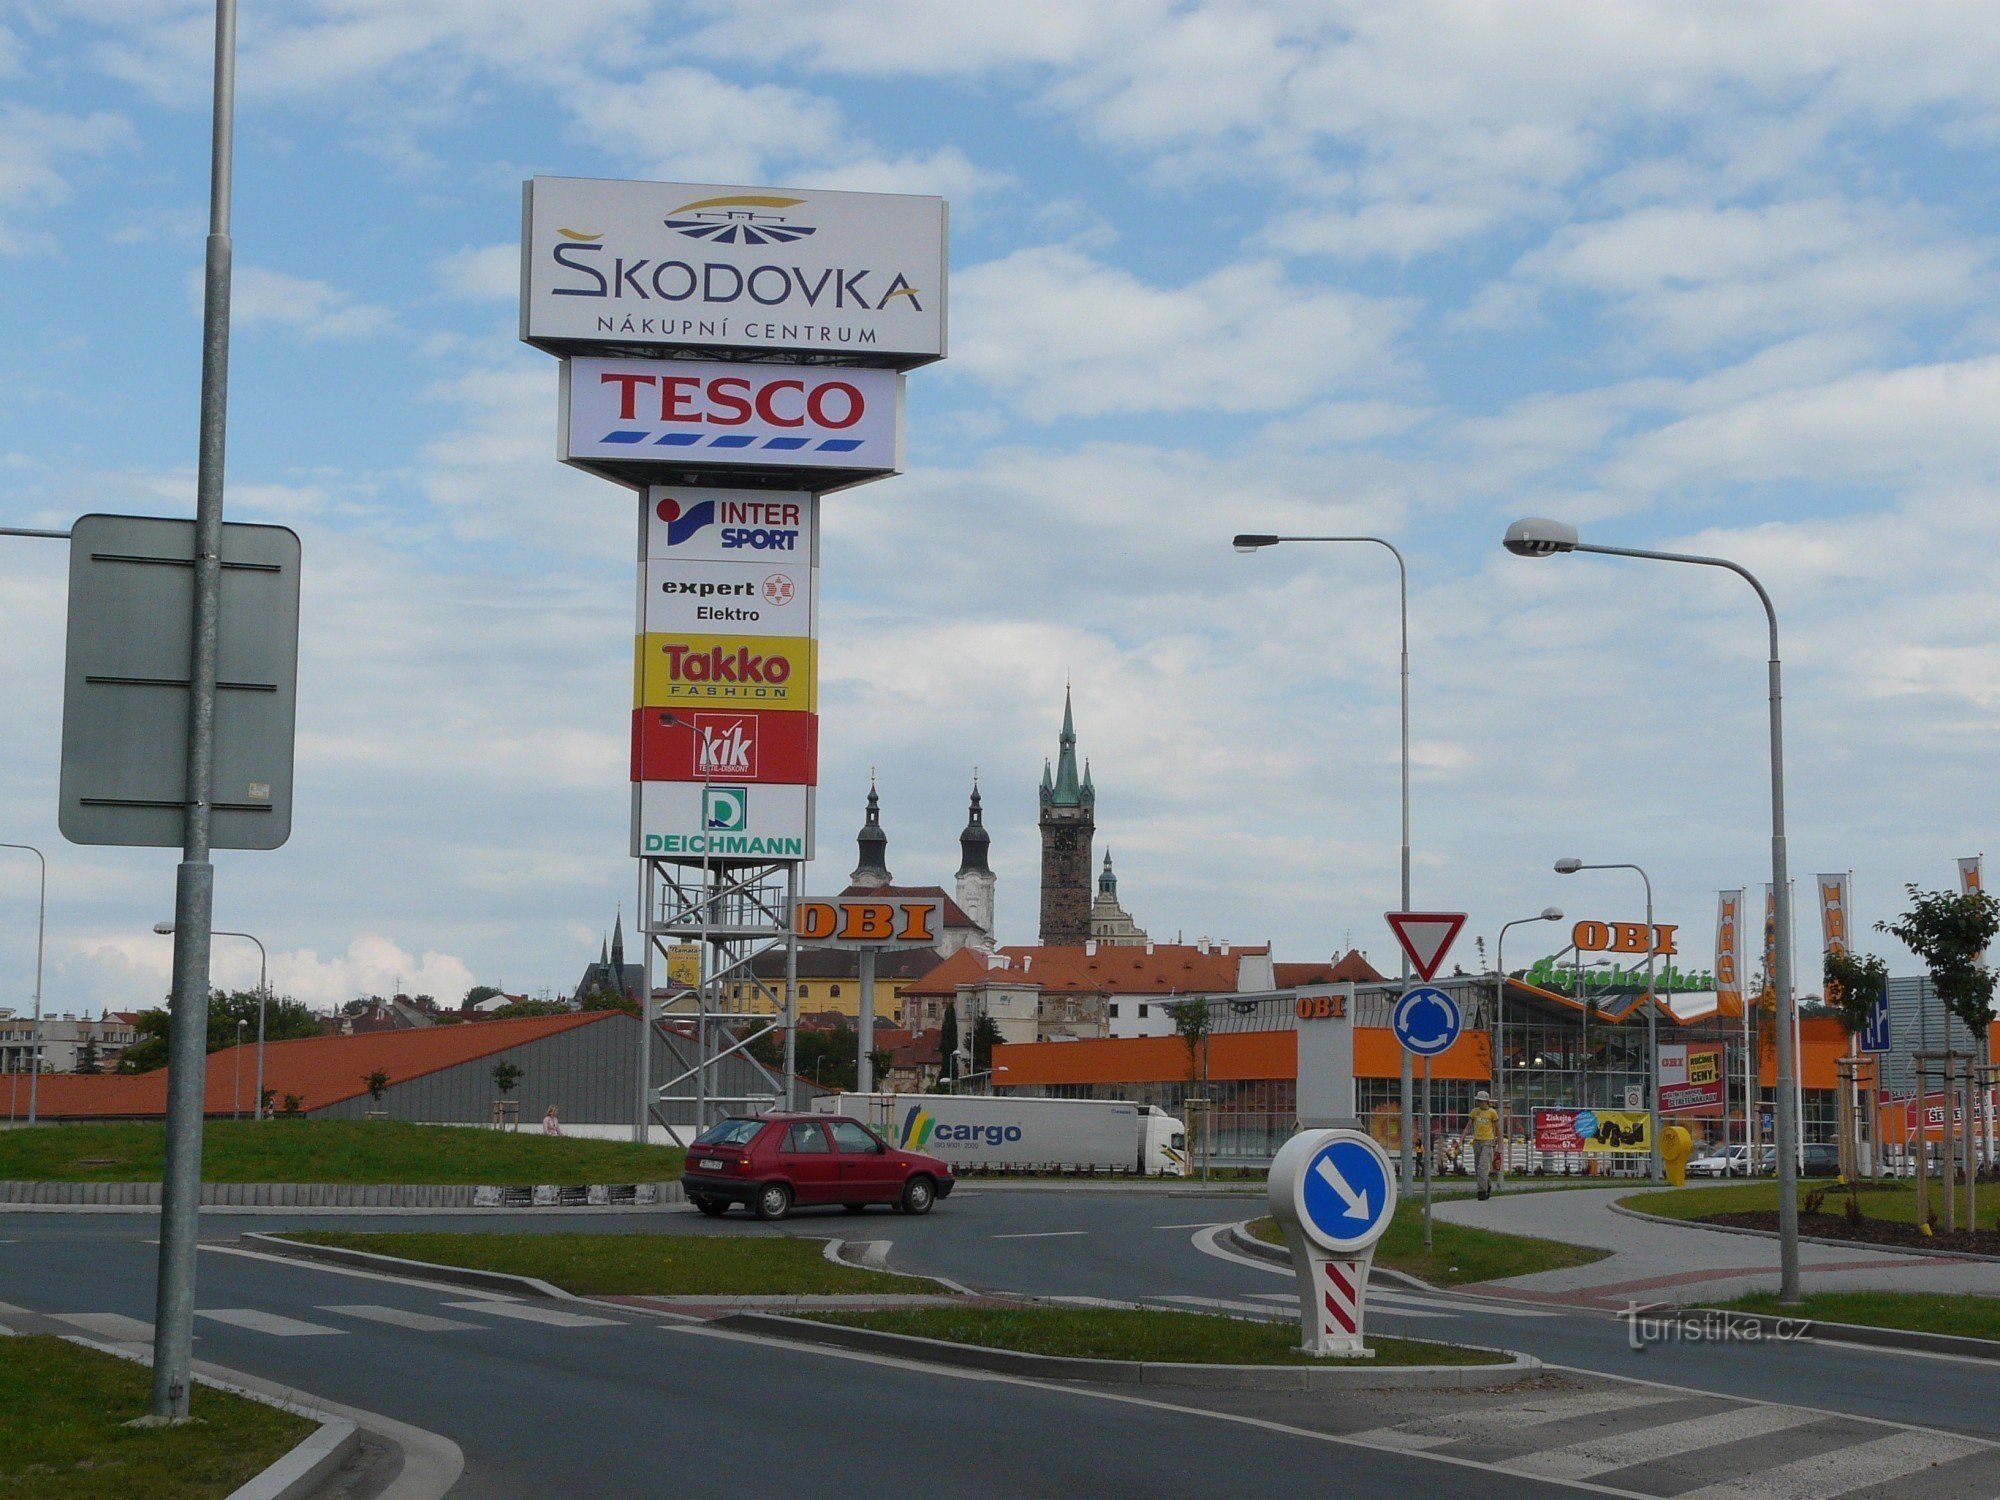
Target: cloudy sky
x=1710, y=277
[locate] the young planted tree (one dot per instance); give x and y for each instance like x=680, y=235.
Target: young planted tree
x=87, y=1061
x=1191, y=1023
x=505, y=1076
x=377, y=1084
x=1853, y=983
x=948, y=1045
x=1951, y=931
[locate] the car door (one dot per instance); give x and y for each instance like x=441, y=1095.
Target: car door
x=868, y=1173
x=805, y=1157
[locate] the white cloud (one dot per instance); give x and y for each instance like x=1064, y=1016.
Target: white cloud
x=33, y=144
x=312, y=309
x=483, y=273
x=1061, y=333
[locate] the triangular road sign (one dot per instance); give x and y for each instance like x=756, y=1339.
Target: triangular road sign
x=1425, y=936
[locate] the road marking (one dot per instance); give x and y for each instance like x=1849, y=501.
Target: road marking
x=1600, y=1455
x=259, y=1321
x=1046, y=1234
x=1205, y=1224
x=116, y=1327
x=397, y=1317
x=527, y=1314
x=1845, y=1470
x=1209, y=1242
x=1492, y=1421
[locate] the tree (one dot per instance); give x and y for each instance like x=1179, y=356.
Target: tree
x=87, y=1060
x=481, y=992
x=600, y=998
x=948, y=1044
x=505, y=1076
x=1949, y=931
x=284, y=1019
x=377, y=1084
x=1854, y=982
x=1191, y=1023
x=514, y=1010
x=985, y=1033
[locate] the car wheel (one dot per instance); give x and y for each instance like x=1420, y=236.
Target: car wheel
x=774, y=1201
x=714, y=1208
x=919, y=1193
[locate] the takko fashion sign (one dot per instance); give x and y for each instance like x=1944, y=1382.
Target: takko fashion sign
x=702, y=266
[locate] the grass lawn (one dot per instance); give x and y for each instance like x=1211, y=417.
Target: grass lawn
x=62, y=1410
x=1895, y=1200
x=1119, y=1333
x=1926, y=1312
x=663, y=1265
x=365, y=1151
x=1458, y=1255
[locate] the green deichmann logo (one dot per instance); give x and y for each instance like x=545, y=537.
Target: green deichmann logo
x=725, y=809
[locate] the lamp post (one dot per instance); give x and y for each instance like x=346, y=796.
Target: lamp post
x=1536, y=537
x=1570, y=867
x=41, y=935
x=166, y=929
x=236, y=1093
x=1547, y=914
x=1252, y=542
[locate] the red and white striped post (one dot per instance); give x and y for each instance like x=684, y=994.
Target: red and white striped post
x=1333, y=1192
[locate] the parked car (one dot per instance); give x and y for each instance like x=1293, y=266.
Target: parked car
x=1721, y=1161
x=1821, y=1160
x=773, y=1163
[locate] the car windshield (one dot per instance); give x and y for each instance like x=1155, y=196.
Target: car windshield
x=729, y=1133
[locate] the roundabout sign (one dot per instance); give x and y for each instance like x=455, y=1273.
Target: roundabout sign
x=1333, y=1192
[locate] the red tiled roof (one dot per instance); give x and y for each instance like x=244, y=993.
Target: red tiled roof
x=1170, y=968
x=954, y=914
x=908, y=1049
x=1351, y=969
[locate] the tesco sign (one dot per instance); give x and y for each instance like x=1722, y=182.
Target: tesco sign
x=623, y=413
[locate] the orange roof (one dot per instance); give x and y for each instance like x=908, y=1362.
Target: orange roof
x=321, y=1070
x=1350, y=969
x=1234, y=1057
x=1170, y=968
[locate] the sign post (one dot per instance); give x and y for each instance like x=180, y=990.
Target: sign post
x=868, y=925
x=1427, y=1021
x=1333, y=1192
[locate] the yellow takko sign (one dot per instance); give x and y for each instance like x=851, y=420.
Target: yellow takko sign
x=1623, y=937
x=729, y=671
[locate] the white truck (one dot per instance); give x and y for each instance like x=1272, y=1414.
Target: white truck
x=988, y=1132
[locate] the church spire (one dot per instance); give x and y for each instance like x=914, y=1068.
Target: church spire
x=1067, y=789
x=873, y=843
x=974, y=842
x=618, y=949
x=1107, y=883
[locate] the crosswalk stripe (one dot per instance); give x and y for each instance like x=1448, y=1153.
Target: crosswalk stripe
x=1844, y=1470
x=259, y=1321
x=552, y=1317
x=1490, y=1421
x=398, y=1317
x=1268, y=1310
x=116, y=1327
x=1378, y=1297
x=1600, y=1455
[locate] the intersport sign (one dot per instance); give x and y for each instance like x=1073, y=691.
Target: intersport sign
x=732, y=415
x=697, y=265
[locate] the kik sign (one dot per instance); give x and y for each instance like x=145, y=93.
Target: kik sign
x=881, y=923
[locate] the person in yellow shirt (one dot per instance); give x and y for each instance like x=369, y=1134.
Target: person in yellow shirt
x=1485, y=1140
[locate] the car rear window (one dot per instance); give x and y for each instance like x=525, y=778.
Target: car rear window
x=729, y=1133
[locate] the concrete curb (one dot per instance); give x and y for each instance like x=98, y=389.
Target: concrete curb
x=306, y=1467
x=1359, y=1375
x=1839, y=1333
x=1242, y=1239
x=416, y=1270
x=323, y=1195
x=1805, y=1239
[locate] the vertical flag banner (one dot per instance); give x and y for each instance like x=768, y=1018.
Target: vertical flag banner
x=1833, y=912
x=1729, y=952
x=1769, y=997
x=1972, y=877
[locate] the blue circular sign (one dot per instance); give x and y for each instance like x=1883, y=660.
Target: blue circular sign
x=1427, y=1021
x=1346, y=1193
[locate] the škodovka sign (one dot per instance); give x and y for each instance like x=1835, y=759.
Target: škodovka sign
x=702, y=266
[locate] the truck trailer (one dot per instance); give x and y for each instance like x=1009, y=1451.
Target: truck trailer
x=988, y=1132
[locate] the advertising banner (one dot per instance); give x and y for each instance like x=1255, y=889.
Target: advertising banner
x=699, y=265
x=1729, y=952
x=1594, y=1130
x=724, y=820
x=737, y=745
x=1972, y=877
x=1768, y=998
x=1697, y=1087
x=1833, y=912
x=739, y=415
x=725, y=671
x=741, y=526
x=740, y=598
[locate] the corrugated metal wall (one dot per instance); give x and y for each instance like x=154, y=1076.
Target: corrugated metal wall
x=588, y=1072
x=1919, y=1021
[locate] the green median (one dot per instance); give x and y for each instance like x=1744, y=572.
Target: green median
x=63, y=1411
x=1459, y=1254
x=1138, y=1335
x=334, y=1151
x=659, y=1265
x=1966, y=1315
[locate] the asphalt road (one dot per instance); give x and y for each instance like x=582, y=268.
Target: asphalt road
x=557, y=1399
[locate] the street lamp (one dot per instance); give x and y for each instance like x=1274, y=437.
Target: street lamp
x=1547, y=914
x=1253, y=542
x=1570, y=867
x=1538, y=537
x=166, y=929
x=236, y=1094
x=41, y=935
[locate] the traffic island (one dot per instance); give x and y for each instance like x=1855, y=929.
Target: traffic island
x=1459, y=1254
x=1136, y=1346
x=65, y=1412
x=1870, y=1215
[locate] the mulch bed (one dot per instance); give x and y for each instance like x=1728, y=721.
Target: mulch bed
x=1903, y=1236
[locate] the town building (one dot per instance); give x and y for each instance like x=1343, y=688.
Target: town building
x=1109, y=922
x=1068, y=822
x=611, y=975
x=67, y=1040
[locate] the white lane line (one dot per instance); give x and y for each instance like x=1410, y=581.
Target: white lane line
x=1498, y=1421
x=258, y=1321
x=1209, y=1242
x=1046, y=1234
x=1226, y=1304
x=1205, y=1224
x=1600, y=1455
x=552, y=1317
x=115, y=1327
x=397, y=1317
x=1845, y=1470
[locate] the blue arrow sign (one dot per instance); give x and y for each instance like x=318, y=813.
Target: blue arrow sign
x=1346, y=1195
x=1875, y=1035
x=1427, y=1021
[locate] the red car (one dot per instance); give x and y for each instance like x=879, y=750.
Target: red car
x=772, y=1162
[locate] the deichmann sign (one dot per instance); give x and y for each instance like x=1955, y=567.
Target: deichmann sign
x=738, y=745
x=735, y=415
x=870, y=922
x=728, y=671
x=687, y=820
x=690, y=265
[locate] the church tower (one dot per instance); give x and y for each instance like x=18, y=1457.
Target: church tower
x=1069, y=819
x=975, y=875
x=873, y=870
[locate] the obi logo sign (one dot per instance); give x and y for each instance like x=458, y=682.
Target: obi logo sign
x=861, y=922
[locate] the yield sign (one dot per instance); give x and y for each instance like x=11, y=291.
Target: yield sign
x=1425, y=936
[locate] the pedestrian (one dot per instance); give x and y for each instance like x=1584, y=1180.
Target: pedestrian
x=1485, y=1140
x=550, y=1124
